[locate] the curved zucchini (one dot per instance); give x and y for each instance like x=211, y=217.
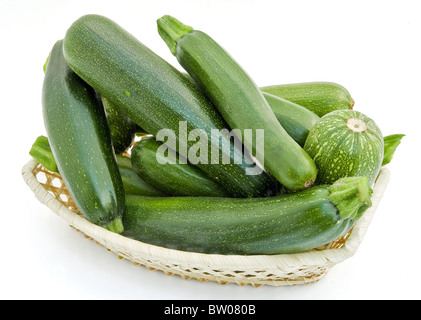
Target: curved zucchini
x=80, y=140
x=319, y=97
x=346, y=143
x=240, y=102
x=156, y=96
x=287, y=223
x=122, y=129
x=173, y=178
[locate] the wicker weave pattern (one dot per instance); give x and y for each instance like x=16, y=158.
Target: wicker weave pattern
x=274, y=270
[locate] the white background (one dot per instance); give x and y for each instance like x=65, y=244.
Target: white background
x=370, y=47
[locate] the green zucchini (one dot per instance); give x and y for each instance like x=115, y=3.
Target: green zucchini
x=391, y=142
x=80, y=140
x=295, y=119
x=345, y=143
x=166, y=173
x=319, y=97
x=156, y=96
x=122, y=129
x=288, y=223
x=132, y=182
x=239, y=101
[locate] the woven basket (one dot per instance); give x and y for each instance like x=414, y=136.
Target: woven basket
x=273, y=270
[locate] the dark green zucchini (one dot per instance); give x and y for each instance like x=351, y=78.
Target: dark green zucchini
x=80, y=140
x=319, y=97
x=287, y=223
x=160, y=167
x=240, y=102
x=122, y=129
x=156, y=96
x=132, y=182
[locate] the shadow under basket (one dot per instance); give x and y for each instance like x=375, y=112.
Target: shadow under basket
x=256, y=270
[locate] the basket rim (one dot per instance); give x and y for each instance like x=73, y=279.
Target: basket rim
x=150, y=252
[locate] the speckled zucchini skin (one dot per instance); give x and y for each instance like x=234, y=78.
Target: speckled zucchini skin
x=80, y=140
x=174, y=179
x=282, y=224
x=343, y=147
x=132, y=182
x=154, y=95
x=319, y=97
x=239, y=101
x=122, y=129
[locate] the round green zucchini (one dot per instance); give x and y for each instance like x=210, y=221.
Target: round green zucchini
x=345, y=143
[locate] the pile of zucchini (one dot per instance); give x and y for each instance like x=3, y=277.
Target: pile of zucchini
x=107, y=97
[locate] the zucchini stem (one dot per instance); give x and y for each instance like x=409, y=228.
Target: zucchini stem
x=171, y=29
x=349, y=195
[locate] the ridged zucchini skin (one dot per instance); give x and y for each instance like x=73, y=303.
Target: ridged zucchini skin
x=288, y=223
x=154, y=95
x=239, y=101
x=174, y=179
x=122, y=129
x=346, y=143
x=295, y=119
x=132, y=182
x=80, y=140
x=319, y=97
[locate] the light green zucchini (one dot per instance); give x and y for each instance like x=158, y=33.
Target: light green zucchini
x=319, y=97
x=346, y=143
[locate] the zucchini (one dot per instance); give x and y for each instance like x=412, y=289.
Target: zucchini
x=239, y=101
x=156, y=96
x=319, y=97
x=132, y=183
x=391, y=142
x=80, y=140
x=286, y=223
x=345, y=143
x=166, y=173
x=295, y=119
x=122, y=129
